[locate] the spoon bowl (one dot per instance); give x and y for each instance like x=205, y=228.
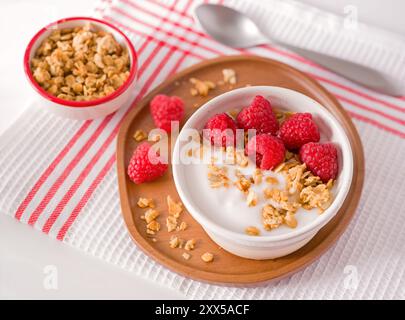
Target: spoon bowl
x=236, y=30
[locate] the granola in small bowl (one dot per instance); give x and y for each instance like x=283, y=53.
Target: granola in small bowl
x=79, y=63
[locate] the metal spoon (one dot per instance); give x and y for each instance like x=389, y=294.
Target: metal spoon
x=236, y=30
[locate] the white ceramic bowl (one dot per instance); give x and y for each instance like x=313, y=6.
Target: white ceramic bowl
x=82, y=110
x=271, y=244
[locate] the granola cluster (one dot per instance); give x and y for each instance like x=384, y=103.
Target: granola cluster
x=229, y=76
x=80, y=64
x=174, y=209
x=207, y=257
x=202, y=88
x=188, y=245
x=140, y=135
x=150, y=215
x=218, y=177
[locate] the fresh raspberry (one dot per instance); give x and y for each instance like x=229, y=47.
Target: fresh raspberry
x=298, y=130
x=259, y=115
x=165, y=109
x=321, y=159
x=221, y=130
x=145, y=164
x=269, y=150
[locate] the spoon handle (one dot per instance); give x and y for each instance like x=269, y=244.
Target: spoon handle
x=363, y=75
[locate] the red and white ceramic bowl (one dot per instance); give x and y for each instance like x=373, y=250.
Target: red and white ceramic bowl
x=82, y=110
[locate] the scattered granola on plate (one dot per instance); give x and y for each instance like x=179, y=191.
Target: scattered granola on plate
x=145, y=202
x=200, y=87
x=140, y=135
x=229, y=76
x=190, y=245
x=207, y=257
x=186, y=256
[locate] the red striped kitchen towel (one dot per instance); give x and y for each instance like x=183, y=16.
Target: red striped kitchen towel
x=59, y=175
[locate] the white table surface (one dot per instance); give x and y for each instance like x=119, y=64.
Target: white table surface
x=24, y=252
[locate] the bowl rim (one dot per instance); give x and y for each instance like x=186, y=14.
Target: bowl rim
x=315, y=225
x=80, y=104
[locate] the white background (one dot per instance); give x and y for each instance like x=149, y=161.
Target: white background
x=25, y=252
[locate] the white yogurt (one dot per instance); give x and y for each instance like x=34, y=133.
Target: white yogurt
x=227, y=206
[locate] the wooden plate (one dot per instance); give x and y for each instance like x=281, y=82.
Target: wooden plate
x=226, y=268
